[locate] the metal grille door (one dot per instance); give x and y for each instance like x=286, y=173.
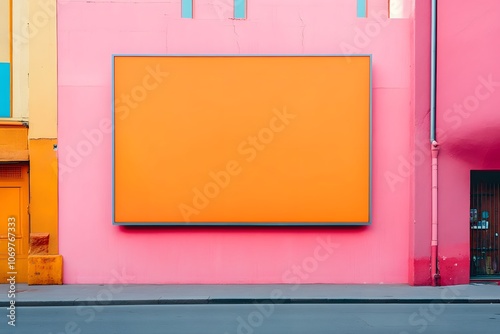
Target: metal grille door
x=485, y=223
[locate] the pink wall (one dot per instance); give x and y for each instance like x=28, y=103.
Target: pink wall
x=420, y=182
x=94, y=251
x=467, y=119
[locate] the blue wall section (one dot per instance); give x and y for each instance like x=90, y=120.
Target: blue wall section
x=187, y=9
x=240, y=9
x=361, y=8
x=4, y=90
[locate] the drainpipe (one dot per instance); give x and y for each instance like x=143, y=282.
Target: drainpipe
x=434, y=151
x=434, y=215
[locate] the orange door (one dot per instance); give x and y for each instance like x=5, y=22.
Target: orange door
x=14, y=222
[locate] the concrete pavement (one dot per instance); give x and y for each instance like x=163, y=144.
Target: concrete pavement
x=138, y=294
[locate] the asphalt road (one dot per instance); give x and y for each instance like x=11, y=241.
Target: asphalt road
x=255, y=319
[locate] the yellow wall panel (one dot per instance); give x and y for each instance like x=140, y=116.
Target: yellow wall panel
x=20, y=60
x=43, y=190
x=5, y=31
x=43, y=70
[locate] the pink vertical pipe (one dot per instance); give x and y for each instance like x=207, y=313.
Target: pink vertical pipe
x=434, y=214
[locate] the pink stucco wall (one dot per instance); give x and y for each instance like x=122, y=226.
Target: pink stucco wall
x=468, y=122
x=420, y=180
x=94, y=251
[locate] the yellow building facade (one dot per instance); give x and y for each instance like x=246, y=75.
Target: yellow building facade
x=28, y=143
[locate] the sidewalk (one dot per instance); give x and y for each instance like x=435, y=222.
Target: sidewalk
x=73, y=295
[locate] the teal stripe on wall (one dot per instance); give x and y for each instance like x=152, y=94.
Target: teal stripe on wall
x=240, y=9
x=187, y=9
x=362, y=8
x=4, y=90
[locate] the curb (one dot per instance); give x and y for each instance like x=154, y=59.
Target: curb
x=230, y=301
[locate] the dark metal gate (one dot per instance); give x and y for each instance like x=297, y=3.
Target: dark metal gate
x=485, y=223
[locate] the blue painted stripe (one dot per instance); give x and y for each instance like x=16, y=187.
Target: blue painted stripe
x=187, y=9
x=362, y=8
x=4, y=90
x=240, y=9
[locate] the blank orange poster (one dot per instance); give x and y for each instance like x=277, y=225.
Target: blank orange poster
x=260, y=140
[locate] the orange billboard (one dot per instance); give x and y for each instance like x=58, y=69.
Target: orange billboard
x=241, y=140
